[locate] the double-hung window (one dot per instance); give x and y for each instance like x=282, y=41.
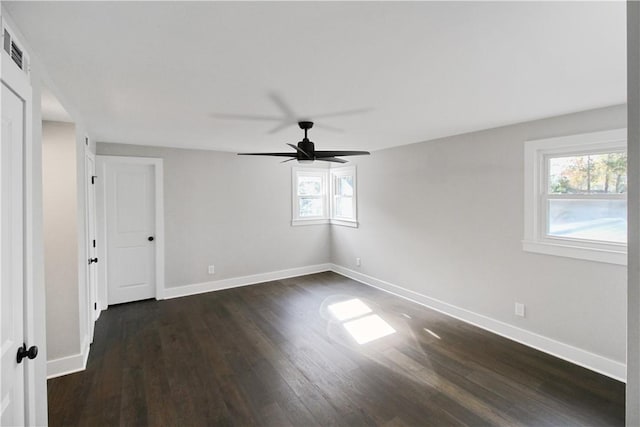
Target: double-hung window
x=576, y=196
x=343, y=196
x=323, y=196
x=310, y=196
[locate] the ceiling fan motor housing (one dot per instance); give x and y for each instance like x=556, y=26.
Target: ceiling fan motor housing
x=308, y=147
x=306, y=151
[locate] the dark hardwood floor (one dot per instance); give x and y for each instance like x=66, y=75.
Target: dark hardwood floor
x=272, y=354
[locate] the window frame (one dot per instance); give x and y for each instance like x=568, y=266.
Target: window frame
x=335, y=174
x=537, y=155
x=329, y=178
x=309, y=220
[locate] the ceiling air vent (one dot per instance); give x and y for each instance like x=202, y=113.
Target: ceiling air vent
x=13, y=50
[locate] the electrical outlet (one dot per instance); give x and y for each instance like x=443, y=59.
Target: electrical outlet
x=212, y=269
x=358, y=262
x=520, y=309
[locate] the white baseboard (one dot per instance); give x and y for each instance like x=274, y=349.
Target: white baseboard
x=69, y=364
x=594, y=362
x=234, y=282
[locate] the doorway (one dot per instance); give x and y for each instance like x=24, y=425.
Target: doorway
x=131, y=228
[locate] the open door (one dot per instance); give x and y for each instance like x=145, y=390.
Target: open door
x=91, y=243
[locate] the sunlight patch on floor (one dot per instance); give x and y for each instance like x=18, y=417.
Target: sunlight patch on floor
x=349, y=309
x=368, y=328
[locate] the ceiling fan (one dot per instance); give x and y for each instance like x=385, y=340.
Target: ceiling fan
x=306, y=152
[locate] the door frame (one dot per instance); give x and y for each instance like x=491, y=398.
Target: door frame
x=91, y=273
x=102, y=163
x=19, y=82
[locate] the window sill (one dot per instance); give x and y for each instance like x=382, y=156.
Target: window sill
x=298, y=222
x=344, y=223
x=609, y=256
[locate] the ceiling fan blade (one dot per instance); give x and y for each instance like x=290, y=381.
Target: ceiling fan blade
x=330, y=128
x=331, y=159
x=246, y=117
x=285, y=124
x=299, y=150
x=343, y=113
x=283, y=106
x=320, y=154
x=269, y=154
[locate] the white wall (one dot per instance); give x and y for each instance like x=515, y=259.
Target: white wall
x=445, y=219
x=230, y=211
x=60, y=204
x=35, y=237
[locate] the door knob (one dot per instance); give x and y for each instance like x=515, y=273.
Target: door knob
x=92, y=260
x=150, y=238
x=23, y=352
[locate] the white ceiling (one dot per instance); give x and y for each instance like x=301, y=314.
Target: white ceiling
x=52, y=109
x=164, y=73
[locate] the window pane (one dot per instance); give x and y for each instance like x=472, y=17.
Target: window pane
x=588, y=174
x=310, y=206
x=344, y=186
x=309, y=186
x=604, y=220
x=344, y=207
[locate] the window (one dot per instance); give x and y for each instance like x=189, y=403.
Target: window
x=343, y=196
x=323, y=196
x=309, y=196
x=576, y=196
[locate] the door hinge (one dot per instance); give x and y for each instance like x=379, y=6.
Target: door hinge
x=93, y=179
x=94, y=243
x=95, y=305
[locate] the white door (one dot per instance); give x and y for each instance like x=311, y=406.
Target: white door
x=131, y=231
x=11, y=260
x=92, y=251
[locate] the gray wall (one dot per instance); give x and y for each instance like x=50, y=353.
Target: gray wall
x=445, y=219
x=230, y=211
x=60, y=212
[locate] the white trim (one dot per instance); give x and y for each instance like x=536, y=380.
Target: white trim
x=344, y=223
x=90, y=283
x=298, y=222
x=328, y=195
x=323, y=174
x=535, y=163
x=235, y=282
x=592, y=361
x=69, y=364
x=157, y=163
x=101, y=232
x=19, y=82
x=577, y=252
x=334, y=173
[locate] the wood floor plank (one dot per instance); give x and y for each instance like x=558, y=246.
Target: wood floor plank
x=272, y=354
